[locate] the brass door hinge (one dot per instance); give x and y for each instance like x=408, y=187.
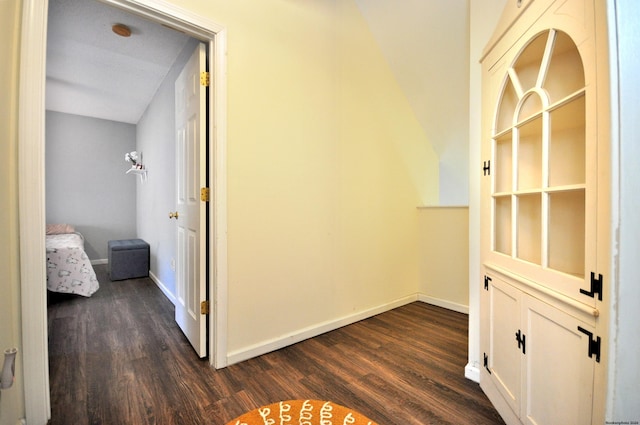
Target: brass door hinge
x=204, y=78
x=204, y=194
x=204, y=307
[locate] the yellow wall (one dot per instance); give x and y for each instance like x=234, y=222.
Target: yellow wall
x=444, y=256
x=321, y=204
x=11, y=400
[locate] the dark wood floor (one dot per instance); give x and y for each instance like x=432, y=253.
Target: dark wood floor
x=119, y=358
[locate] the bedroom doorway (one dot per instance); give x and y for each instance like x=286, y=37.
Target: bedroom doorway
x=31, y=186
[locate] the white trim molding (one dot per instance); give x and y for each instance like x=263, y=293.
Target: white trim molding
x=35, y=356
x=99, y=261
x=318, y=329
x=167, y=293
x=449, y=305
x=472, y=372
x=218, y=271
x=312, y=331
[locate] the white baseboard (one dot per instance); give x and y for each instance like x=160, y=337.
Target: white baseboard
x=163, y=288
x=153, y=277
x=312, y=331
x=460, y=308
x=303, y=334
x=472, y=372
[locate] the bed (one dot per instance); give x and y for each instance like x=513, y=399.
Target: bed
x=69, y=269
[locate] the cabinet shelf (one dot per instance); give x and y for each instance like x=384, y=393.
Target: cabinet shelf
x=505, y=132
x=567, y=99
x=528, y=118
x=564, y=188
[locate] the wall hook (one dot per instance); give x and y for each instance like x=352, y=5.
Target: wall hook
x=8, y=369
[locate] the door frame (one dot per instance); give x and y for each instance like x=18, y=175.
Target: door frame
x=31, y=186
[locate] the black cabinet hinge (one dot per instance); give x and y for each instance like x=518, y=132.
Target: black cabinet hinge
x=521, y=338
x=596, y=287
x=487, y=279
x=486, y=363
x=594, y=345
x=486, y=168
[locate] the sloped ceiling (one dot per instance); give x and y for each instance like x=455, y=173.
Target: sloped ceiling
x=93, y=72
x=426, y=43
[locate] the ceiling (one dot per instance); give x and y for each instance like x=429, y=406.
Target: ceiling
x=93, y=72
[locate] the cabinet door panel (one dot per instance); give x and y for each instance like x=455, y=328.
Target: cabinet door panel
x=504, y=355
x=558, y=373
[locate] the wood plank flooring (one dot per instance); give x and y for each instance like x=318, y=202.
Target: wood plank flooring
x=119, y=358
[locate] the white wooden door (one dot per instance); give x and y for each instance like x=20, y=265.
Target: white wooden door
x=191, y=211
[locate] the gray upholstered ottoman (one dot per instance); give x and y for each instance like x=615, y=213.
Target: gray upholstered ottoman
x=128, y=259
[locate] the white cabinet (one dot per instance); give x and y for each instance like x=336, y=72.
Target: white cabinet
x=544, y=213
x=538, y=357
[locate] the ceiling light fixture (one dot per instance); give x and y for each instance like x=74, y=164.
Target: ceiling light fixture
x=121, y=29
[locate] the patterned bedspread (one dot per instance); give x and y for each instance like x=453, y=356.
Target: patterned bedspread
x=69, y=269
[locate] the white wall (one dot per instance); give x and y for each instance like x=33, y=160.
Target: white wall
x=86, y=185
x=156, y=197
x=624, y=373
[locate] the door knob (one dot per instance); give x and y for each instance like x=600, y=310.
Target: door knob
x=173, y=215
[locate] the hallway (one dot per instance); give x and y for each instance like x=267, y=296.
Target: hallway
x=119, y=358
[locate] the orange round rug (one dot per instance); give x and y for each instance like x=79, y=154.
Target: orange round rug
x=302, y=412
